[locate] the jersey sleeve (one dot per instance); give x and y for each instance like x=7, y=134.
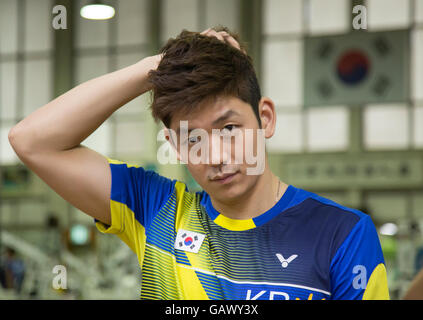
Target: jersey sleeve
x=357, y=270
x=136, y=197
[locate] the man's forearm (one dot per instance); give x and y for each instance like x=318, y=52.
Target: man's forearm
x=69, y=119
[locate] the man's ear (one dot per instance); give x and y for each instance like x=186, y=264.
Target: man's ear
x=267, y=115
x=172, y=138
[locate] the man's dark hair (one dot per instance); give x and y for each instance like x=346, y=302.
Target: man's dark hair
x=195, y=69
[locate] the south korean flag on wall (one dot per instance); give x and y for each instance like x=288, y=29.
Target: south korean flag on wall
x=188, y=240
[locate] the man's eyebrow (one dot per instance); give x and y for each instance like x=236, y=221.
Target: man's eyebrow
x=222, y=118
x=225, y=117
x=178, y=130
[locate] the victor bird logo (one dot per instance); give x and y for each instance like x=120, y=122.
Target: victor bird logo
x=285, y=262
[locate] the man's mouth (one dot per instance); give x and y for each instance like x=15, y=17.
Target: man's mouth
x=224, y=178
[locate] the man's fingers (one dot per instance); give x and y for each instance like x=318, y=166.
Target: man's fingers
x=232, y=42
x=205, y=31
x=213, y=33
x=222, y=36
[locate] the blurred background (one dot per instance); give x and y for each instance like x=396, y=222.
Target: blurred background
x=349, y=122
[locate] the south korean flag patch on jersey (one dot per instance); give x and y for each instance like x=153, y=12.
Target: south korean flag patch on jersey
x=188, y=240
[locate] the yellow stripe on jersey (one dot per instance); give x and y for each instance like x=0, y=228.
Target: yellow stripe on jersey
x=126, y=227
x=377, y=286
x=191, y=287
x=181, y=204
x=234, y=224
x=129, y=165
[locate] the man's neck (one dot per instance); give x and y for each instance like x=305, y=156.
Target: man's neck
x=260, y=198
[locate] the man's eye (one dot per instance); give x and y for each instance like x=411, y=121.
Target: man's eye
x=193, y=140
x=229, y=127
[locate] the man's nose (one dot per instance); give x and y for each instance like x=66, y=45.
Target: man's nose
x=219, y=151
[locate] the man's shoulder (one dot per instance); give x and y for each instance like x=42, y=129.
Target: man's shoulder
x=317, y=207
x=324, y=218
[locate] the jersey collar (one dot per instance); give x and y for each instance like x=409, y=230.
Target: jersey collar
x=241, y=225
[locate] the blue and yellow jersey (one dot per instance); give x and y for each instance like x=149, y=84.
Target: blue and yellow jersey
x=305, y=247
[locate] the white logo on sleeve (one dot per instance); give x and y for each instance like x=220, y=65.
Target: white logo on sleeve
x=188, y=240
x=284, y=262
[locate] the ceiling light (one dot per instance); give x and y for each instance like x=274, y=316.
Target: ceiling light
x=96, y=10
x=388, y=229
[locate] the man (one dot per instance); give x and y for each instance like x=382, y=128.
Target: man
x=247, y=235
x=14, y=271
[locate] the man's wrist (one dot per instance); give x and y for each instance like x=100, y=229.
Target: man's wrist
x=143, y=67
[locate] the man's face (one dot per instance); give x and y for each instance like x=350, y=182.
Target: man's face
x=221, y=146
